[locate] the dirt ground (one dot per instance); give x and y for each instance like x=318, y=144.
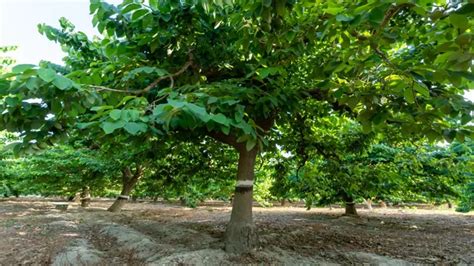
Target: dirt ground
x=34, y=232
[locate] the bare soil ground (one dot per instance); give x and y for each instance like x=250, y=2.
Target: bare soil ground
x=34, y=232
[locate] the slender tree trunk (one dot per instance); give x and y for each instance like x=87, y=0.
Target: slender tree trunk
x=368, y=203
x=450, y=204
x=129, y=181
x=283, y=202
x=85, y=197
x=241, y=235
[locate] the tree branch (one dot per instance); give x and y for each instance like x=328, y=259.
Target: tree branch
x=227, y=139
x=391, y=12
x=154, y=83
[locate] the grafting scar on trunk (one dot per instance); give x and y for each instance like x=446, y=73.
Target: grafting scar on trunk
x=129, y=181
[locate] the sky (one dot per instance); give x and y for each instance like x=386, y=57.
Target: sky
x=19, y=20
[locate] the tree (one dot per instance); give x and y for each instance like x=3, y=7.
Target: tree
x=334, y=161
x=58, y=171
x=191, y=172
x=6, y=61
x=231, y=70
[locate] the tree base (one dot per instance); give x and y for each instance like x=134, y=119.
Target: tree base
x=241, y=238
x=351, y=209
x=368, y=203
x=117, y=205
x=85, y=203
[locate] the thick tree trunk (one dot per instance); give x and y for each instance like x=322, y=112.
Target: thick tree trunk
x=351, y=209
x=241, y=235
x=128, y=183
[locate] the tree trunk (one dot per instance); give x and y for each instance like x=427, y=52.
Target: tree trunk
x=368, y=203
x=351, y=209
x=128, y=183
x=241, y=234
x=382, y=204
x=85, y=197
x=450, y=204
x=283, y=202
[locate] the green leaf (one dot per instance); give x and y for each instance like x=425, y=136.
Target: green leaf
x=344, y=18
x=250, y=144
x=4, y=86
x=422, y=89
x=134, y=128
x=140, y=13
x=221, y=119
x=12, y=101
x=265, y=72
x=409, y=95
x=110, y=127
x=21, y=68
x=101, y=108
x=225, y=130
x=199, y=111
x=130, y=7
x=377, y=15
x=154, y=4
x=62, y=83
x=85, y=125
x=46, y=74
x=115, y=114
x=459, y=21
x=176, y=104
x=466, y=118
x=130, y=115
x=110, y=50
x=33, y=83
x=333, y=10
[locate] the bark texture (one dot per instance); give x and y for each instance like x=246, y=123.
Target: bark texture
x=85, y=197
x=241, y=235
x=351, y=209
x=368, y=203
x=129, y=181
